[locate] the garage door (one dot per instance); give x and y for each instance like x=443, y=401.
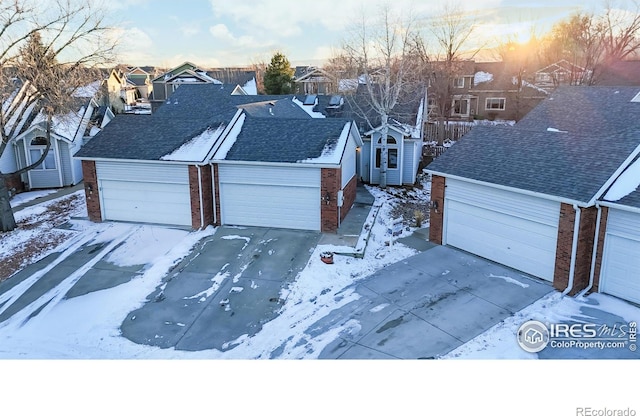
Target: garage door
x=516, y=230
x=267, y=196
x=149, y=193
x=620, y=274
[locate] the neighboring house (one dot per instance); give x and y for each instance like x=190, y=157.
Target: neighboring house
x=313, y=80
x=560, y=73
x=141, y=80
x=404, y=140
x=165, y=85
x=618, y=73
x=209, y=157
x=529, y=196
x=69, y=132
x=487, y=90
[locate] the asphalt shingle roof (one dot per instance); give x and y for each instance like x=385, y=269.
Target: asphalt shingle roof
x=563, y=165
x=586, y=110
x=285, y=140
x=600, y=129
x=631, y=200
x=187, y=113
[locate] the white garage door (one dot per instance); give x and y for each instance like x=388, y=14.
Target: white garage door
x=149, y=193
x=620, y=274
x=270, y=196
x=516, y=230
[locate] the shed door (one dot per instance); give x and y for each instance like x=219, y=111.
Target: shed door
x=149, y=193
x=620, y=274
x=516, y=230
x=269, y=196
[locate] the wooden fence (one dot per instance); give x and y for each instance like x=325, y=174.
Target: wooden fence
x=452, y=131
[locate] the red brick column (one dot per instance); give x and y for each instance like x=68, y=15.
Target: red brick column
x=601, y=233
x=330, y=181
x=349, y=193
x=14, y=183
x=436, y=216
x=584, y=248
x=91, y=190
x=201, y=196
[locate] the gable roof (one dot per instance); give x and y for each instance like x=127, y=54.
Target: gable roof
x=565, y=166
x=586, y=110
x=595, y=134
x=190, y=111
x=287, y=140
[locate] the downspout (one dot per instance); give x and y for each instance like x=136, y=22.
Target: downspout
x=594, y=254
x=213, y=194
x=574, y=250
x=200, y=196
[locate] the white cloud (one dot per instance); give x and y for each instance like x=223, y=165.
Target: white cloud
x=222, y=33
x=134, y=44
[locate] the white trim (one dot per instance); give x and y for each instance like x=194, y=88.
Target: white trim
x=574, y=250
x=504, y=103
x=258, y=163
x=615, y=175
x=621, y=207
x=169, y=162
x=213, y=193
x=58, y=164
x=510, y=189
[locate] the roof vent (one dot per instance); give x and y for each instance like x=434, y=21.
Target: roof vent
x=636, y=99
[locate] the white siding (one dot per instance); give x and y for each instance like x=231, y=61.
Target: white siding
x=270, y=196
x=516, y=230
x=620, y=274
x=349, y=162
x=145, y=192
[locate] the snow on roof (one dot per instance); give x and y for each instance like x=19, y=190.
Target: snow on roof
x=231, y=138
x=88, y=91
x=197, y=148
x=250, y=87
x=308, y=109
x=481, y=77
x=627, y=182
x=332, y=152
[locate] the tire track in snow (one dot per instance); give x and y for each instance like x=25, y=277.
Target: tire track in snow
x=51, y=298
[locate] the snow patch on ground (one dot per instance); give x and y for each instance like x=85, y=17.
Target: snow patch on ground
x=510, y=280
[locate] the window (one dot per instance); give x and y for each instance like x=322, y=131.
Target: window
x=392, y=153
x=458, y=82
x=495, y=103
x=392, y=158
x=460, y=107
x=35, y=152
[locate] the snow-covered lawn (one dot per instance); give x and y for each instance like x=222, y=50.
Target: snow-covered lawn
x=88, y=326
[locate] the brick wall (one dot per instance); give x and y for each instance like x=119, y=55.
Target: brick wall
x=349, y=193
x=14, y=184
x=598, y=266
x=91, y=190
x=216, y=206
x=583, y=251
x=436, y=217
x=330, y=181
x=201, y=204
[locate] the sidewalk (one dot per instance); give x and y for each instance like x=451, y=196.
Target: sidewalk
x=57, y=194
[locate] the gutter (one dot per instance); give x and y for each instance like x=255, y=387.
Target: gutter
x=574, y=250
x=511, y=189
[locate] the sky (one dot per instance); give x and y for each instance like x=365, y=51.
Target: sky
x=219, y=33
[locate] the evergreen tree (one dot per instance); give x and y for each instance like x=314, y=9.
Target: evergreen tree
x=278, y=77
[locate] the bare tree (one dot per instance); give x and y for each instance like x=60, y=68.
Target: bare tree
x=451, y=30
x=621, y=32
x=380, y=49
x=47, y=52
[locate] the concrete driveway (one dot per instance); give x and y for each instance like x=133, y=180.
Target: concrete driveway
x=428, y=305
x=208, y=301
